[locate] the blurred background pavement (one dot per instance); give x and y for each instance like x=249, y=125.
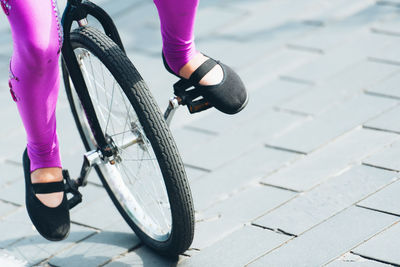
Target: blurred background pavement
x=306, y=175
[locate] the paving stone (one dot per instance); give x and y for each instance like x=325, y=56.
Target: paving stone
x=212, y=18
x=342, y=10
x=35, y=248
x=325, y=44
x=114, y=8
x=7, y=208
x=15, y=227
x=333, y=123
x=238, y=174
x=142, y=34
x=387, y=53
x=331, y=160
x=188, y=140
x=255, y=4
x=388, y=87
x=69, y=138
x=342, y=86
x=97, y=249
x=211, y=230
x=6, y=48
x=216, y=48
x=120, y=226
x=243, y=206
x=9, y=260
x=327, y=38
x=382, y=247
x=274, y=65
x=194, y=174
x=351, y=260
x=99, y=214
x=388, y=121
x=341, y=58
x=119, y=7
x=386, y=158
x=386, y=200
x=388, y=2
x=238, y=209
x=232, y=144
x=328, y=240
x=337, y=31
x=14, y=143
x=260, y=102
x=142, y=257
x=252, y=240
x=90, y=195
x=263, y=42
x=324, y=201
x=388, y=26
x=9, y=173
x=14, y=193
x=265, y=20
x=9, y=115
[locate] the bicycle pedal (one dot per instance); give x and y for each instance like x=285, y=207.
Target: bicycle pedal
x=191, y=97
x=198, y=106
x=71, y=186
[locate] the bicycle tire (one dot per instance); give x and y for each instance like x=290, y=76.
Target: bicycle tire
x=155, y=129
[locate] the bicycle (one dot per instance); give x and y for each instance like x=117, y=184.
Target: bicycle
x=126, y=136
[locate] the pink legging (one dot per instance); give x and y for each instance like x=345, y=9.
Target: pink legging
x=34, y=70
x=177, y=29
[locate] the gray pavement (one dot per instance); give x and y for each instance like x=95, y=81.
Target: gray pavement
x=306, y=175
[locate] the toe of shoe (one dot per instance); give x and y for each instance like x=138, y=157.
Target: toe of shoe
x=52, y=223
x=230, y=96
x=53, y=230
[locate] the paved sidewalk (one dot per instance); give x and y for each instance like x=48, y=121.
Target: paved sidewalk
x=306, y=175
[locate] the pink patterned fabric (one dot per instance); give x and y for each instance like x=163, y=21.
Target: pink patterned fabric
x=34, y=75
x=177, y=29
x=34, y=71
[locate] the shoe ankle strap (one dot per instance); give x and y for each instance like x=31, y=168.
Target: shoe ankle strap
x=202, y=70
x=47, y=188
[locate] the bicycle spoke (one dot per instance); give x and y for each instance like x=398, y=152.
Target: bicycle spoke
x=109, y=114
x=123, y=132
x=139, y=184
x=151, y=195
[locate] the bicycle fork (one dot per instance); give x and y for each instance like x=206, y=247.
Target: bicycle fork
x=90, y=159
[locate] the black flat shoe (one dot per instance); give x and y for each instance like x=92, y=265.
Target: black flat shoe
x=52, y=223
x=229, y=96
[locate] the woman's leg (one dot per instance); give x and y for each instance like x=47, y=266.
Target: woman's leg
x=177, y=29
x=177, y=19
x=224, y=88
x=34, y=82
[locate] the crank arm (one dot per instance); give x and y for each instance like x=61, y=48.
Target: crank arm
x=90, y=159
x=171, y=109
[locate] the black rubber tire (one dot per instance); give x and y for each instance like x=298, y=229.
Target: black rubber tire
x=157, y=132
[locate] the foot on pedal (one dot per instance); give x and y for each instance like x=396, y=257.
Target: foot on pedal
x=228, y=96
x=53, y=223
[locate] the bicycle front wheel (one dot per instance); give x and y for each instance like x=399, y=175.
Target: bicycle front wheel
x=145, y=177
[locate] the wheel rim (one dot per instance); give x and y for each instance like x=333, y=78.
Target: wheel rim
x=135, y=178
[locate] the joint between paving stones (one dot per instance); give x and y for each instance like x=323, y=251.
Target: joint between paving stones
x=373, y=259
x=307, y=49
x=379, y=167
x=377, y=210
x=286, y=149
x=276, y=230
